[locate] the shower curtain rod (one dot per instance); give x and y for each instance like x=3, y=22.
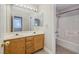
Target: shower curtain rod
x=68, y=11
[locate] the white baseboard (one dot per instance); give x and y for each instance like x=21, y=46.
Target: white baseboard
x=48, y=50
x=69, y=45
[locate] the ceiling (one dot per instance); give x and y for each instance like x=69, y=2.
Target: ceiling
x=62, y=7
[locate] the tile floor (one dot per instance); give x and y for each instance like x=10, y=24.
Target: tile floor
x=41, y=52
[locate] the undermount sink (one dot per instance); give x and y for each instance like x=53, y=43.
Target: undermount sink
x=34, y=32
x=21, y=34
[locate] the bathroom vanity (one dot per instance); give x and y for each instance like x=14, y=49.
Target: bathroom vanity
x=24, y=43
x=23, y=31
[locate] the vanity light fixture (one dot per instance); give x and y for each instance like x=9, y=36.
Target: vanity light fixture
x=25, y=6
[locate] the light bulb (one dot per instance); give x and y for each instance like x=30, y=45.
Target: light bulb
x=24, y=6
x=20, y=5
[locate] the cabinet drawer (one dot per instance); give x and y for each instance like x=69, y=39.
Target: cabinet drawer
x=29, y=50
x=30, y=38
x=29, y=42
x=29, y=47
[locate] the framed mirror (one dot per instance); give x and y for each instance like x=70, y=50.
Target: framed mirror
x=22, y=19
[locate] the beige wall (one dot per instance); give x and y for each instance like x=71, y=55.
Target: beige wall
x=49, y=26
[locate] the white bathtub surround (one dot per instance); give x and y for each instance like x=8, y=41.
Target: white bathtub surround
x=63, y=50
x=74, y=47
x=69, y=32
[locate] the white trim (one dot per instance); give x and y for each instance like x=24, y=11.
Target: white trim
x=48, y=50
x=69, y=45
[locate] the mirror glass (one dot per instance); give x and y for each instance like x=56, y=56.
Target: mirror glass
x=24, y=18
x=37, y=22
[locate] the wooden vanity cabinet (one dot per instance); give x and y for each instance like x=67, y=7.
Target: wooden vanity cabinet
x=14, y=46
x=29, y=45
x=26, y=45
x=38, y=42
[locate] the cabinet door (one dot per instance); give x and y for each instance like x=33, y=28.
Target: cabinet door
x=14, y=46
x=29, y=45
x=38, y=42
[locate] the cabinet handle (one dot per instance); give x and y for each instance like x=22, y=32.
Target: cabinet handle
x=7, y=43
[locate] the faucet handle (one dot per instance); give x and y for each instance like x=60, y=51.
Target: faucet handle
x=34, y=32
x=17, y=34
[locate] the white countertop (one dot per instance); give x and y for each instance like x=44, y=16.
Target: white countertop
x=13, y=35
